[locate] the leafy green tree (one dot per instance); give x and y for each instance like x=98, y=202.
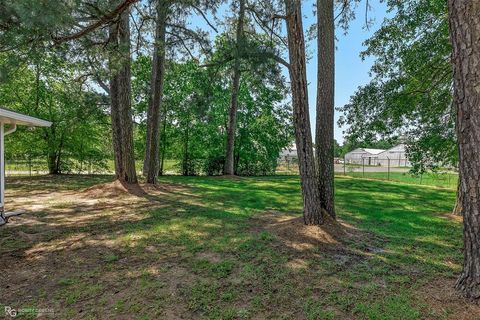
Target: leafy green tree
x=47, y=27
x=49, y=89
x=171, y=33
x=410, y=94
x=264, y=125
x=232, y=118
x=267, y=14
x=337, y=149
x=196, y=111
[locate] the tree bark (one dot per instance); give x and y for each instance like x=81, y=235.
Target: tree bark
x=325, y=103
x=186, y=164
x=120, y=95
x=312, y=211
x=164, y=142
x=55, y=151
x=464, y=21
x=457, y=210
x=53, y=167
x=152, y=152
x=229, y=168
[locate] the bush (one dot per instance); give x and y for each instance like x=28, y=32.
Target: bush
x=213, y=165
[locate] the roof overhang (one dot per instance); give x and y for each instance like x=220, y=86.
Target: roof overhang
x=12, y=117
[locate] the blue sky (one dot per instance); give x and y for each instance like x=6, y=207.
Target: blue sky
x=351, y=72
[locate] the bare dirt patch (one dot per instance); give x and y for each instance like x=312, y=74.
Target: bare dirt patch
x=119, y=189
x=293, y=232
x=112, y=189
x=444, y=301
x=453, y=217
x=209, y=256
x=67, y=252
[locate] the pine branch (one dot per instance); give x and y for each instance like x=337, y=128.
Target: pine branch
x=205, y=18
x=107, y=18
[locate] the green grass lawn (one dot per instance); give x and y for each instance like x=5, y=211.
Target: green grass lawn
x=217, y=248
x=445, y=180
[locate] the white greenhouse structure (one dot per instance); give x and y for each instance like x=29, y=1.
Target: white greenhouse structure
x=364, y=156
x=394, y=157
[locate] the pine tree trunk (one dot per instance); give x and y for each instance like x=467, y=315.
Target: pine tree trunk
x=457, y=210
x=58, y=168
x=186, y=164
x=152, y=152
x=164, y=143
x=120, y=95
x=325, y=103
x=312, y=211
x=464, y=20
x=229, y=168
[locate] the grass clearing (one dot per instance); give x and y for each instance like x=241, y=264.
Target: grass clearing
x=223, y=248
x=439, y=179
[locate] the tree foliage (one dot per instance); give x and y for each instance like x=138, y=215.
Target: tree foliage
x=411, y=91
x=50, y=89
x=196, y=114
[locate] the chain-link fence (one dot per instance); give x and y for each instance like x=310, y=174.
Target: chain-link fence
x=22, y=167
x=447, y=178
x=38, y=166
x=381, y=169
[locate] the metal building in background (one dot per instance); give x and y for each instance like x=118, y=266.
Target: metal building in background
x=363, y=156
x=396, y=156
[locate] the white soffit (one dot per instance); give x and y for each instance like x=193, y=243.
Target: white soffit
x=9, y=116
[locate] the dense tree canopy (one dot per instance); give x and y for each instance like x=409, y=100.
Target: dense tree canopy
x=196, y=113
x=69, y=86
x=50, y=89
